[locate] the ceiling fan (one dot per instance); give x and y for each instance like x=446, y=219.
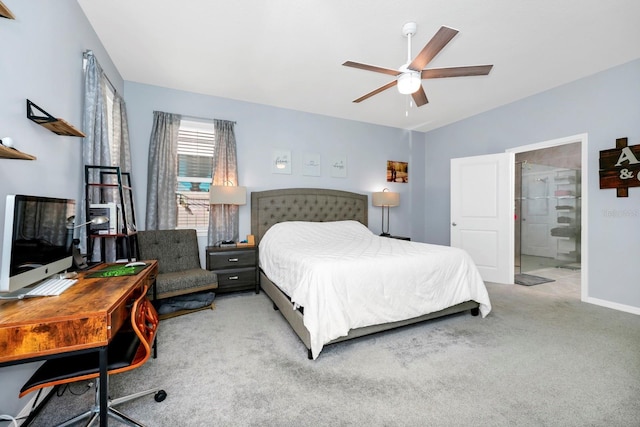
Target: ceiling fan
x=409, y=76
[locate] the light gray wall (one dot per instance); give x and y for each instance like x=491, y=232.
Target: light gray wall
x=41, y=59
x=261, y=129
x=606, y=106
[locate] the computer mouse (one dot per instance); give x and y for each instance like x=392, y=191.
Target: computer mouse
x=135, y=264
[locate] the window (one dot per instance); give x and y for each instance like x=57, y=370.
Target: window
x=195, y=165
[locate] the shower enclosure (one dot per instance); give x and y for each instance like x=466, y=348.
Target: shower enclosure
x=547, y=216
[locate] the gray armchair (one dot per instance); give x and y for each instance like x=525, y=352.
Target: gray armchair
x=179, y=268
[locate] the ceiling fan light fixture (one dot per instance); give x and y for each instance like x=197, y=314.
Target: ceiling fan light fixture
x=409, y=82
x=408, y=78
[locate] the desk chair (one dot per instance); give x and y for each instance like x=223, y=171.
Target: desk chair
x=129, y=349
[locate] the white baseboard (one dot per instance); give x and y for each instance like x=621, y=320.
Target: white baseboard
x=613, y=305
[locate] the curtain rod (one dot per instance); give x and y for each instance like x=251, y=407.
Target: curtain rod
x=187, y=117
x=85, y=56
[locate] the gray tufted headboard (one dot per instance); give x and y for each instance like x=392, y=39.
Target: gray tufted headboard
x=304, y=204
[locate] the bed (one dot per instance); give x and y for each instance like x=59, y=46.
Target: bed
x=311, y=292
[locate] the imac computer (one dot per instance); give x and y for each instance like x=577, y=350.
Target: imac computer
x=37, y=241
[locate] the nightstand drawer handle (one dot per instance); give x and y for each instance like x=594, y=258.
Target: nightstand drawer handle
x=233, y=277
x=233, y=260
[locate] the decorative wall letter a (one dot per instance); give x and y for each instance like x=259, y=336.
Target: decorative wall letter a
x=620, y=167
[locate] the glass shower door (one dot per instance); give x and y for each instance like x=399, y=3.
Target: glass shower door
x=547, y=218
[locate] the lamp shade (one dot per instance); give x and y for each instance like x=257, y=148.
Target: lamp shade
x=227, y=195
x=385, y=198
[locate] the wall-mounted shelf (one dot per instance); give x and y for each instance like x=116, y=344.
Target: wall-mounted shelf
x=10, y=153
x=57, y=126
x=5, y=12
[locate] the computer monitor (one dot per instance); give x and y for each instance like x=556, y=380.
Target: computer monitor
x=37, y=241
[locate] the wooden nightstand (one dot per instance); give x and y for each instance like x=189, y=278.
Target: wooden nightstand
x=237, y=268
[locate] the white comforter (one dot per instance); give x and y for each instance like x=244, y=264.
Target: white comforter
x=346, y=277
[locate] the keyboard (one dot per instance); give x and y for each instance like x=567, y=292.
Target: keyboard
x=51, y=287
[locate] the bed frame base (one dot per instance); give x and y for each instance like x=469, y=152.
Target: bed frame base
x=282, y=303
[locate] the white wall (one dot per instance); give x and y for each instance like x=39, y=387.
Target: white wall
x=606, y=106
x=41, y=59
x=261, y=129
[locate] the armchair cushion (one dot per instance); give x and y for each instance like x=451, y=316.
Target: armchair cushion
x=181, y=282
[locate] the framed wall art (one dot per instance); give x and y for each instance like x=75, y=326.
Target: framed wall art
x=281, y=162
x=397, y=171
x=311, y=164
x=339, y=166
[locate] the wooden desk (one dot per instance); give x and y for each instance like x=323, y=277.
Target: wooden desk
x=85, y=317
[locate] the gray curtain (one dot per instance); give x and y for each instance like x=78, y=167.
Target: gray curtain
x=162, y=209
x=120, y=143
x=121, y=148
x=223, y=219
x=95, y=148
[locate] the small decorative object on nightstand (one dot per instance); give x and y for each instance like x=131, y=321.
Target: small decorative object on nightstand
x=236, y=268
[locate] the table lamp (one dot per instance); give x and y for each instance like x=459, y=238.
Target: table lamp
x=386, y=199
x=227, y=195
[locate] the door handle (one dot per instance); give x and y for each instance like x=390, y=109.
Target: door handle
x=454, y=224
x=233, y=259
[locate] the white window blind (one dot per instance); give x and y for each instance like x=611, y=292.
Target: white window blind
x=196, y=142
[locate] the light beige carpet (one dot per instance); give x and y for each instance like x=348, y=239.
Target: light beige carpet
x=538, y=359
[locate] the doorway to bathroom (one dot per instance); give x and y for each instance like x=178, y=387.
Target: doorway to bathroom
x=548, y=217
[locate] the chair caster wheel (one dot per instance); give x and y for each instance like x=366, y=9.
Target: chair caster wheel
x=160, y=396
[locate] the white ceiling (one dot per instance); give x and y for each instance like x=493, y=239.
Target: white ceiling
x=288, y=53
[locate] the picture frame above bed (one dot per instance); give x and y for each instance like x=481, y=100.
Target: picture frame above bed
x=281, y=162
x=338, y=166
x=311, y=164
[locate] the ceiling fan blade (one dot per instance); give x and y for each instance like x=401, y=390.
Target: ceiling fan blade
x=473, y=70
x=431, y=49
x=419, y=97
x=372, y=68
x=377, y=91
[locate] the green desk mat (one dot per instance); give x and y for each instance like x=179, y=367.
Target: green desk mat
x=116, y=271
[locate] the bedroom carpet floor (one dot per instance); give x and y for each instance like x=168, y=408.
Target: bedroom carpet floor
x=540, y=358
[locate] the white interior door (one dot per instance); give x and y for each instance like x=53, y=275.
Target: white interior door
x=482, y=213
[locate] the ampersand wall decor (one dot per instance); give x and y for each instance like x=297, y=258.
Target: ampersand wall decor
x=620, y=167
